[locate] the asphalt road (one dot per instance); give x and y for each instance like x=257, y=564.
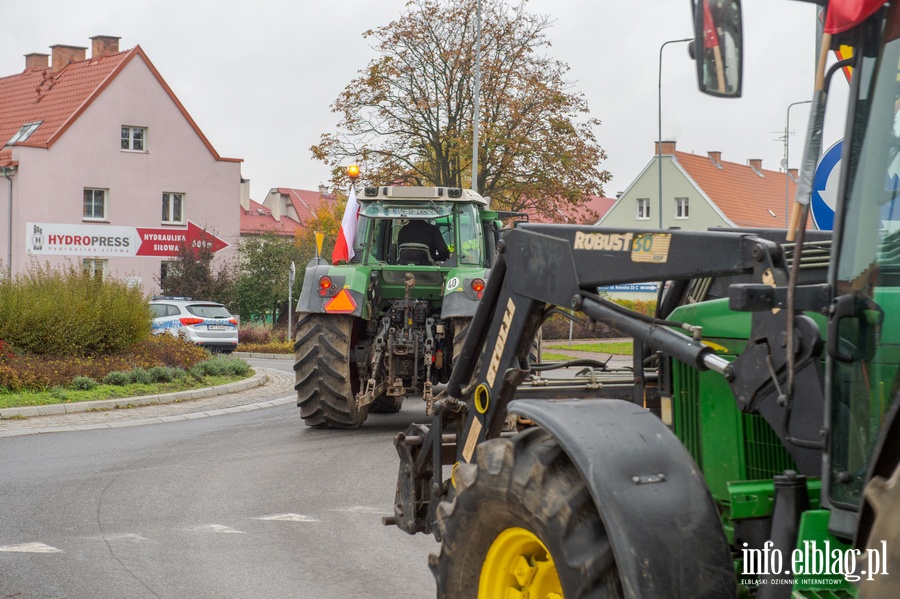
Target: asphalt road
x=245, y=504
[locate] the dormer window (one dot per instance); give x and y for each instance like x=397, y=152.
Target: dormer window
x=134, y=138
x=24, y=133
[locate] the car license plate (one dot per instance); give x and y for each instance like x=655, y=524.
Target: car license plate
x=216, y=327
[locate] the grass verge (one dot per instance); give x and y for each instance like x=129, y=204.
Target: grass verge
x=59, y=395
x=619, y=348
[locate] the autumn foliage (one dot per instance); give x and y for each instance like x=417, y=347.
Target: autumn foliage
x=408, y=117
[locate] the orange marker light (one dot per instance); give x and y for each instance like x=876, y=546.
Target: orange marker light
x=353, y=171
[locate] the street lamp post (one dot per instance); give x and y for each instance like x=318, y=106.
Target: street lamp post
x=787, y=172
x=477, y=94
x=659, y=122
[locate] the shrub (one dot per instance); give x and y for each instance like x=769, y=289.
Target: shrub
x=273, y=347
x=221, y=366
x=117, y=377
x=166, y=350
x=140, y=376
x=255, y=334
x=59, y=393
x=83, y=383
x=64, y=311
x=162, y=374
x=557, y=325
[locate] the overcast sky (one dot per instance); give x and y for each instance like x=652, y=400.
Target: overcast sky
x=259, y=77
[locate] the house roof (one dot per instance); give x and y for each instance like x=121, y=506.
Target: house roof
x=259, y=220
x=305, y=202
x=745, y=195
x=58, y=99
x=589, y=212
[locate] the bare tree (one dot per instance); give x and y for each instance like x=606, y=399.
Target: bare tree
x=407, y=118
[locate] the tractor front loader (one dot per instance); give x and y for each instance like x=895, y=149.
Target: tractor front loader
x=753, y=448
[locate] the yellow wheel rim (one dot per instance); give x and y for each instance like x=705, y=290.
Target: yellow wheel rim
x=518, y=566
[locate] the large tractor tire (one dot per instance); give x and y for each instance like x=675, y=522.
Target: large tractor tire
x=883, y=495
x=325, y=379
x=522, y=524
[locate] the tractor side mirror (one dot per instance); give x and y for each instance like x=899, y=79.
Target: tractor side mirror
x=718, y=46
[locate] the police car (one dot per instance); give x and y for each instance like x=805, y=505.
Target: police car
x=207, y=324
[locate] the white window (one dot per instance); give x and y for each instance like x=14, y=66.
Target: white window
x=95, y=204
x=24, y=133
x=681, y=207
x=173, y=207
x=134, y=138
x=643, y=208
x=94, y=266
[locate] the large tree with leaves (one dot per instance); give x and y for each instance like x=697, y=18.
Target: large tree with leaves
x=408, y=117
x=262, y=288
x=193, y=273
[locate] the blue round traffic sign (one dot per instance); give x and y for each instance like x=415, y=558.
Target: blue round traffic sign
x=825, y=187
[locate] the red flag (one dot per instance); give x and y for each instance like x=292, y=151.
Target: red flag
x=343, y=247
x=710, y=38
x=845, y=14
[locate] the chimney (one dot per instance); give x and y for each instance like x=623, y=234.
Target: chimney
x=794, y=174
x=756, y=165
x=36, y=61
x=245, y=194
x=323, y=190
x=716, y=158
x=664, y=147
x=63, y=55
x=104, y=45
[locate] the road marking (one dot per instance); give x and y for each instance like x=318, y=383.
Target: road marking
x=215, y=528
x=30, y=548
x=290, y=518
x=361, y=509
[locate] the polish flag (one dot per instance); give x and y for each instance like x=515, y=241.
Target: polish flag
x=343, y=247
x=846, y=14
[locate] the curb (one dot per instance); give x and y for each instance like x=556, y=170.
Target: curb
x=247, y=354
x=257, y=380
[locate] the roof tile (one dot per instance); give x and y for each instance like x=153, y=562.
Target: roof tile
x=745, y=197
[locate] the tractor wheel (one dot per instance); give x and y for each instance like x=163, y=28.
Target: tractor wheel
x=883, y=495
x=325, y=379
x=386, y=404
x=523, y=524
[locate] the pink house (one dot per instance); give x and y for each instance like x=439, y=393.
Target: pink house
x=103, y=166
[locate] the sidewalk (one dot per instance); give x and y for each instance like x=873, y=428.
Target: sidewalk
x=269, y=387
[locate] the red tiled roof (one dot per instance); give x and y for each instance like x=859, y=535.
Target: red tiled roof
x=305, y=202
x=58, y=99
x=259, y=220
x=582, y=214
x=742, y=195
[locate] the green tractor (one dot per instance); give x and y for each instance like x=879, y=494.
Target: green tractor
x=391, y=321
x=753, y=449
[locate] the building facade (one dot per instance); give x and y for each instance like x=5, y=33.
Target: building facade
x=105, y=168
x=700, y=192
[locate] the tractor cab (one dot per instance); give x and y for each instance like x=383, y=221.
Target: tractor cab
x=456, y=214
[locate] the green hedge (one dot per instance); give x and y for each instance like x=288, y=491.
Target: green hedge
x=64, y=311
x=557, y=325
